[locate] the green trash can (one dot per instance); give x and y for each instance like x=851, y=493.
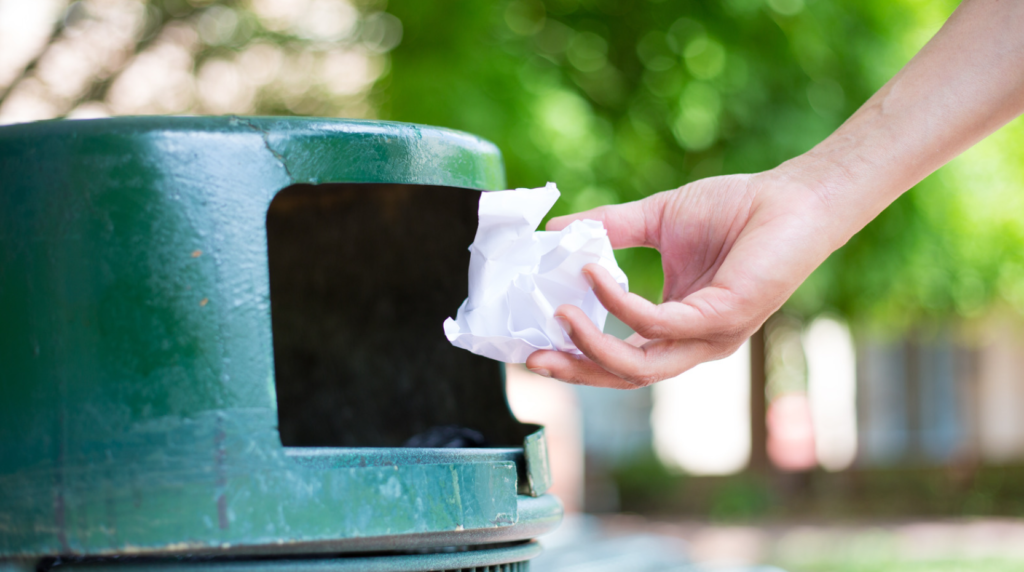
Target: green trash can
x=221, y=347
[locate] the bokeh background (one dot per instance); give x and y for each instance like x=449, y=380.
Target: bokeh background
x=876, y=421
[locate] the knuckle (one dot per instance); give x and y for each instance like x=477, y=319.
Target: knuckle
x=650, y=330
x=574, y=380
x=732, y=326
x=729, y=323
x=646, y=373
x=610, y=293
x=735, y=328
x=725, y=349
x=639, y=380
x=652, y=326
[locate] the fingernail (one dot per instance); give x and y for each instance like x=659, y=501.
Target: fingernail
x=541, y=372
x=588, y=278
x=562, y=321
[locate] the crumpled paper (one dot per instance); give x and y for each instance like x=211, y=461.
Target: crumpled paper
x=519, y=277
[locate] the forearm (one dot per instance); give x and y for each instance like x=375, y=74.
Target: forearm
x=964, y=84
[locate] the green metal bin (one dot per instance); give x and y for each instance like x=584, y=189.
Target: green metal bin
x=221, y=347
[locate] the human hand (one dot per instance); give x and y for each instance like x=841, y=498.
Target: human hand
x=733, y=249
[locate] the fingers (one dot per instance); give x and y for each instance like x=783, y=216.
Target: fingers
x=628, y=224
x=671, y=338
x=636, y=340
x=706, y=314
x=613, y=363
x=581, y=370
x=638, y=366
x=645, y=318
x=611, y=353
x=578, y=370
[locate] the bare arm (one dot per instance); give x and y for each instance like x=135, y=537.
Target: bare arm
x=734, y=248
x=964, y=84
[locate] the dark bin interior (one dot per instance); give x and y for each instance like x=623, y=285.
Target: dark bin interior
x=362, y=276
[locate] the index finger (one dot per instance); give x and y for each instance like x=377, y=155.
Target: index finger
x=628, y=225
x=709, y=313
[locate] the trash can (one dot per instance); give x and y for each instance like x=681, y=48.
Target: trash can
x=221, y=347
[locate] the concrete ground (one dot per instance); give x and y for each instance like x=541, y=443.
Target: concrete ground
x=622, y=542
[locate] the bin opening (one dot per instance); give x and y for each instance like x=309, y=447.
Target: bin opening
x=362, y=277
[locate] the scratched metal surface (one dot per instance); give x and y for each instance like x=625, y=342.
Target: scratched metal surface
x=137, y=399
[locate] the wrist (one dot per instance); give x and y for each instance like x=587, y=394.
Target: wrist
x=850, y=174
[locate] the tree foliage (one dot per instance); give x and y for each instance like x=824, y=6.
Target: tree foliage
x=612, y=100
x=615, y=101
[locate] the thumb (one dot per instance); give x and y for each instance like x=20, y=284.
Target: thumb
x=628, y=224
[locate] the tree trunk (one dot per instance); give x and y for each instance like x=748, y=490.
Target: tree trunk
x=759, y=461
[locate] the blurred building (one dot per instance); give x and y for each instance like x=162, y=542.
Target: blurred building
x=955, y=396
x=948, y=398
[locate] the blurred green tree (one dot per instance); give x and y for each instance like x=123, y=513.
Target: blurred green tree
x=615, y=101
x=612, y=100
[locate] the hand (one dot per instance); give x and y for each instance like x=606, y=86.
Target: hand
x=733, y=249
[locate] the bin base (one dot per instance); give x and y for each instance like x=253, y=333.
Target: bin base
x=505, y=558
